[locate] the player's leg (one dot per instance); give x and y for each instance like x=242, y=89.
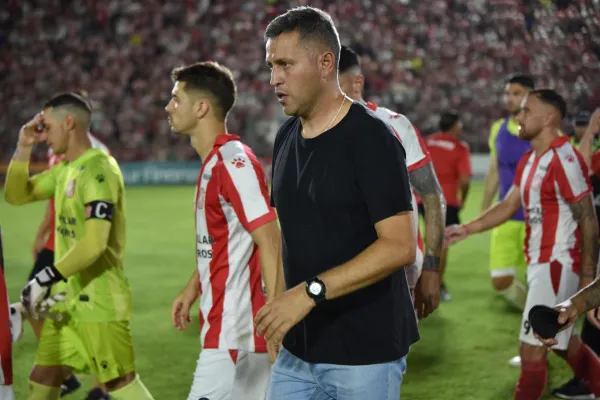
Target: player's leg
x=252, y=374
x=584, y=362
x=506, y=255
x=109, y=347
x=214, y=376
x=6, y=339
x=58, y=351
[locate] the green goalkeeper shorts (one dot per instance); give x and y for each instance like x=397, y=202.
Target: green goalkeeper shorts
x=102, y=349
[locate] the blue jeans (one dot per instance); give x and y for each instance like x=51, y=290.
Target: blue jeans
x=294, y=379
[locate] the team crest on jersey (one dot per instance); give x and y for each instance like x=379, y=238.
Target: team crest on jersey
x=70, y=188
x=239, y=162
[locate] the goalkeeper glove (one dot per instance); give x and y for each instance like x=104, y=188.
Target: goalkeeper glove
x=38, y=290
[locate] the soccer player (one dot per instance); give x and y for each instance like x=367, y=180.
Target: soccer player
x=423, y=180
x=552, y=184
x=6, y=337
x=506, y=149
x=43, y=252
x=236, y=236
x=94, y=334
x=585, y=137
x=452, y=163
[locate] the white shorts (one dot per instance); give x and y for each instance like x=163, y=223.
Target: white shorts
x=549, y=284
x=231, y=375
x=6, y=392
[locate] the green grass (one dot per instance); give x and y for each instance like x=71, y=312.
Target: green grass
x=464, y=347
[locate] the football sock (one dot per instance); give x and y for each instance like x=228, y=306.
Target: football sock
x=135, y=390
x=42, y=392
x=532, y=381
x=586, y=366
x=516, y=294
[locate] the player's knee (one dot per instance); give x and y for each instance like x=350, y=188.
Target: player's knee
x=47, y=375
x=530, y=352
x=120, y=382
x=501, y=283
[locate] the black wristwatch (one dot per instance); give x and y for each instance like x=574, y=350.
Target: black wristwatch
x=315, y=288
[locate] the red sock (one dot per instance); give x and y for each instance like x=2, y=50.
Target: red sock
x=586, y=366
x=532, y=381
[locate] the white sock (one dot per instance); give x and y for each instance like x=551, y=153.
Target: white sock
x=516, y=294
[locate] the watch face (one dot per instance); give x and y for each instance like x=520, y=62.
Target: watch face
x=315, y=288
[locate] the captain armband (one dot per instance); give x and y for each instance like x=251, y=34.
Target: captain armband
x=99, y=210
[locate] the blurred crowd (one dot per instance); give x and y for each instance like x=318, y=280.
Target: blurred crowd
x=419, y=57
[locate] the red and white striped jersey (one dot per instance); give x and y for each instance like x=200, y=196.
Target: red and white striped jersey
x=548, y=185
x=417, y=154
x=54, y=159
x=232, y=200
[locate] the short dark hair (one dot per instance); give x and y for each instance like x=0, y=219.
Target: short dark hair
x=348, y=59
x=521, y=79
x=211, y=77
x=70, y=99
x=447, y=120
x=311, y=23
x=552, y=98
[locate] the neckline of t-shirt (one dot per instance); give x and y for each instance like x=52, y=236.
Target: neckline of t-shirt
x=327, y=133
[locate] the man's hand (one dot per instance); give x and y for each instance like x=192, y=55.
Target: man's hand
x=180, y=311
x=273, y=350
x=38, y=289
x=594, y=125
x=278, y=316
x=427, y=293
x=32, y=132
x=455, y=233
x=569, y=313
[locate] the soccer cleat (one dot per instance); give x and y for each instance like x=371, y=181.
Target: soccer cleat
x=16, y=321
x=573, y=390
x=69, y=385
x=515, y=362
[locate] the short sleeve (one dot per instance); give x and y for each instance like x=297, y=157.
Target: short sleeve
x=493, y=135
x=381, y=171
x=464, y=164
x=571, y=174
x=244, y=186
x=521, y=168
x=417, y=154
x=99, y=184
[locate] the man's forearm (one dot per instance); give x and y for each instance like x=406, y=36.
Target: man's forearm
x=87, y=250
x=490, y=187
x=46, y=223
x=588, y=298
x=17, y=188
x=272, y=269
x=373, y=264
x=425, y=183
x=493, y=217
x=194, y=280
x=585, y=215
x=464, y=192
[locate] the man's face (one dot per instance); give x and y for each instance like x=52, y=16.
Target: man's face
x=351, y=83
x=294, y=73
x=513, y=96
x=55, y=128
x=182, y=116
x=531, y=118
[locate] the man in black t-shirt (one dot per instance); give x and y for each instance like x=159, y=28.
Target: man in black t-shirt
x=341, y=190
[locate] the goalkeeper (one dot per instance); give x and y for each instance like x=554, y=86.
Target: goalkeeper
x=93, y=336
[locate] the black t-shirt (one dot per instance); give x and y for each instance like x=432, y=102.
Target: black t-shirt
x=329, y=192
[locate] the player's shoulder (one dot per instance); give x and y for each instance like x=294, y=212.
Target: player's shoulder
x=367, y=122
x=497, y=124
x=237, y=155
x=565, y=150
x=102, y=163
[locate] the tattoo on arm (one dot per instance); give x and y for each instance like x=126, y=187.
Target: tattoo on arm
x=585, y=215
x=425, y=183
x=591, y=295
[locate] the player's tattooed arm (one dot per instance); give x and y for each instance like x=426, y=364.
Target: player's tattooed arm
x=591, y=295
x=426, y=184
x=585, y=214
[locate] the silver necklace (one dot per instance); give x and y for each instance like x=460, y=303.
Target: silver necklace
x=336, y=114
